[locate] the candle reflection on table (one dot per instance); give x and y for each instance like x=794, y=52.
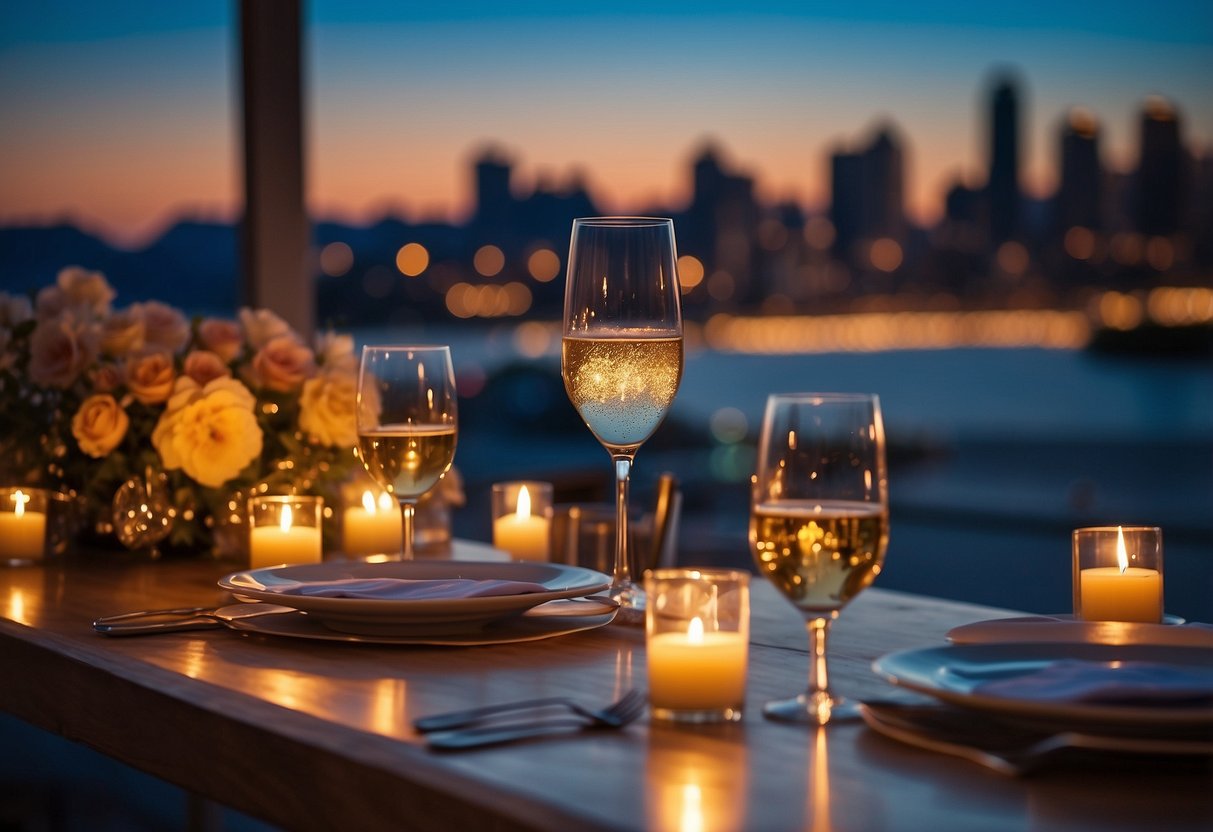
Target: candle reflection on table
x=693, y=790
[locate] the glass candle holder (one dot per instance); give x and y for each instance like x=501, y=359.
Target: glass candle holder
x=1117, y=573
x=23, y=525
x=371, y=522
x=697, y=635
x=284, y=529
x=522, y=519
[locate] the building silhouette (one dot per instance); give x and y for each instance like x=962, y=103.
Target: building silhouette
x=867, y=192
x=1080, y=192
x=1002, y=184
x=1159, y=205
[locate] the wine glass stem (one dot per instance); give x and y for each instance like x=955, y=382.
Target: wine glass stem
x=407, y=513
x=818, y=693
x=622, y=576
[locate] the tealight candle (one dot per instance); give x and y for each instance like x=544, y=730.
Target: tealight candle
x=372, y=528
x=1117, y=574
x=697, y=643
x=23, y=514
x=284, y=530
x=522, y=523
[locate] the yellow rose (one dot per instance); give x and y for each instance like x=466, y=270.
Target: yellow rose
x=209, y=432
x=99, y=425
x=326, y=409
x=150, y=377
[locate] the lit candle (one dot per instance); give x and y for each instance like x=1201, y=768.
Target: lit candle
x=22, y=530
x=1121, y=592
x=524, y=535
x=286, y=542
x=371, y=529
x=697, y=671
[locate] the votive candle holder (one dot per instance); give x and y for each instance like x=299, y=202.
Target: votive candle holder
x=1117, y=573
x=285, y=530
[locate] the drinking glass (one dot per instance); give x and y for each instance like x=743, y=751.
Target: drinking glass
x=621, y=354
x=819, y=521
x=406, y=422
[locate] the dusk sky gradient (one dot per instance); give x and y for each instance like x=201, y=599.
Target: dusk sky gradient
x=123, y=116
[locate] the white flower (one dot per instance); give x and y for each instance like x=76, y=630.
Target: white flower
x=336, y=352
x=262, y=326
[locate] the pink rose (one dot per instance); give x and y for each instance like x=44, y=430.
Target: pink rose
x=60, y=349
x=163, y=325
x=262, y=326
x=106, y=378
x=14, y=310
x=222, y=337
x=150, y=376
x=123, y=332
x=283, y=364
x=88, y=293
x=99, y=425
x=204, y=366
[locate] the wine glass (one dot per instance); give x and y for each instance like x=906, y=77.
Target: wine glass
x=621, y=355
x=819, y=521
x=406, y=410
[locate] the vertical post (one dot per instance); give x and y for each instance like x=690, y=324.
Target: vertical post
x=275, y=229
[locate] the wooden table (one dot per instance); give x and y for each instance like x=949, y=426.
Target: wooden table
x=316, y=735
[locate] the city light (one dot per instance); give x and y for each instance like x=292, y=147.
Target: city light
x=412, y=259
x=336, y=259
x=489, y=261
x=543, y=264
x=690, y=272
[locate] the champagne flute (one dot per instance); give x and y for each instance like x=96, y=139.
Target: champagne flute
x=819, y=521
x=407, y=413
x=621, y=355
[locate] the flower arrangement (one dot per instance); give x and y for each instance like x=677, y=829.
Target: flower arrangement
x=218, y=407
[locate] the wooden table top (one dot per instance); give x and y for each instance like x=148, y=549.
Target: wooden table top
x=316, y=735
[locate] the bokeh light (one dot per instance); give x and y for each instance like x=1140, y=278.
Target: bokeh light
x=544, y=265
x=690, y=272
x=336, y=259
x=489, y=261
x=412, y=259
x=885, y=254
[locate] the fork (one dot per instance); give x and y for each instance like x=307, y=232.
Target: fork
x=461, y=719
x=614, y=717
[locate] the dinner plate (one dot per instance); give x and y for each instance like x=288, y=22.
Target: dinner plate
x=952, y=674
x=414, y=617
x=1040, y=628
x=556, y=618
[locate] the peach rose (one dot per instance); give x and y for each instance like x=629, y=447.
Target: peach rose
x=150, y=376
x=122, y=332
x=283, y=364
x=60, y=349
x=14, y=310
x=88, y=293
x=327, y=409
x=205, y=366
x=262, y=326
x=99, y=425
x=222, y=337
x=163, y=325
x=209, y=432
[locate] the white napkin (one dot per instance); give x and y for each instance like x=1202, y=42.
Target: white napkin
x=1120, y=683
x=402, y=589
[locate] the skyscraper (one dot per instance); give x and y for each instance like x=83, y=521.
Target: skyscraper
x=1079, y=195
x=493, y=197
x=867, y=192
x=1160, y=180
x=1002, y=187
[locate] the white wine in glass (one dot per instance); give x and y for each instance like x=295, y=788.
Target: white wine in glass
x=621, y=355
x=819, y=520
x=407, y=422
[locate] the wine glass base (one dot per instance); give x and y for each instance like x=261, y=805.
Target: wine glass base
x=631, y=600
x=807, y=709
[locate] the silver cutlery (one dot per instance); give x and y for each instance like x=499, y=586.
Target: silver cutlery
x=1006, y=749
x=614, y=717
x=149, y=622
x=608, y=716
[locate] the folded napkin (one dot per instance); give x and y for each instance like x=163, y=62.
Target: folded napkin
x=1119, y=683
x=402, y=589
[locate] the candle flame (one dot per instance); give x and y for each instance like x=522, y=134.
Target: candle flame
x=368, y=502
x=20, y=498
x=695, y=631
x=285, y=522
x=1122, y=557
x=385, y=501
x=524, y=503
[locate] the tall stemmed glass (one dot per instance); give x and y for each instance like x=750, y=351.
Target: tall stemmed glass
x=622, y=351
x=819, y=520
x=407, y=422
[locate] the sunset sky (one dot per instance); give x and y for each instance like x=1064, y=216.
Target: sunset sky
x=124, y=115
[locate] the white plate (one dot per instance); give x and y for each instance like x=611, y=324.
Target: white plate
x=952, y=673
x=557, y=618
x=424, y=617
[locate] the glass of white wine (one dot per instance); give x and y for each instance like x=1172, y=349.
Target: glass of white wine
x=819, y=521
x=407, y=422
x=621, y=354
